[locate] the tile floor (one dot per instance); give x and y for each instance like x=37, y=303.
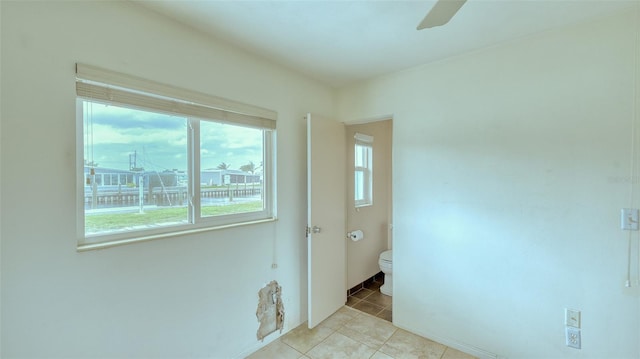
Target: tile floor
x=353, y=334
x=367, y=298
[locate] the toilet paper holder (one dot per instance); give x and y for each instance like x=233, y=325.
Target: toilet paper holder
x=356, y=235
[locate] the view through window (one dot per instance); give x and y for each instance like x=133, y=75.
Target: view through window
x=142, y=168
x=363, y=171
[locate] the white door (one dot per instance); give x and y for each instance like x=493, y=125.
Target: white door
x=326, y=190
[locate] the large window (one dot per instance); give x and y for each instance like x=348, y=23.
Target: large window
x=153, y=162
x=363, y=171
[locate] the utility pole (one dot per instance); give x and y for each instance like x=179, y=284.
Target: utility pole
x=133, y=163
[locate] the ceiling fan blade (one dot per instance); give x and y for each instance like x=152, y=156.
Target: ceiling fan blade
x=441, y=13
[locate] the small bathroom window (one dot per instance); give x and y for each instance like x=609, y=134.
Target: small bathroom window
x=363, y=170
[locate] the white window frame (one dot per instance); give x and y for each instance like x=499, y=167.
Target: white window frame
x=366, y=169
x=106, y=86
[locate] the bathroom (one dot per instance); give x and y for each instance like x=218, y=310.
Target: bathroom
x=371, y=213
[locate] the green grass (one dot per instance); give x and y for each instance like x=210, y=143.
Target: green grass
x=104, y=222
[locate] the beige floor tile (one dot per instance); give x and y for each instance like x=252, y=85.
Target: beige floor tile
x=302, y=338
x=339, y=318
x=362, y=293
x=386, y=315
x=405, y=345
x=353, y=312
x=276, y=349
x=451, y=353
x=381, y=355
x=379, y=299
x=338, y=346
x=369, y=330
x=351, y=301
x=367, y=307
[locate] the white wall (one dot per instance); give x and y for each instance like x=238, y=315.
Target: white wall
x=192, y=296
x=523, y=154
x=0, y=192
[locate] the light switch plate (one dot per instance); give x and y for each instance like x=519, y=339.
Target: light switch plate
x=572, y=318
x=629, y=219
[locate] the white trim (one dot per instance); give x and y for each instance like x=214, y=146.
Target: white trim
x=97, y=74
x=80, y=177
x=104, y=86
x=83, y=247
x=463, y=347
x=366, y=143
x=363, y=121
x=170, y=106
x=363, y=138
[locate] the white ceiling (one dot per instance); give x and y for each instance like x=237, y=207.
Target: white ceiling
x=340, y=42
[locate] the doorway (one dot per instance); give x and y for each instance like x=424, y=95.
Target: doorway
x=336, y=262
x=373, y=216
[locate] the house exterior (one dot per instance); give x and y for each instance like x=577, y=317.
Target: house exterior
x=217, y=177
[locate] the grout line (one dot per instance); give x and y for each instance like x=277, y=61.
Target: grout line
x=385, y=342
x=322, y=341
x=342, y=325
x=367, y=345
x=358, y=300
x=369, y=288
x=280, y=339
x=334, y=331
x=385, y=306
x=375, y=304
x=380, y=312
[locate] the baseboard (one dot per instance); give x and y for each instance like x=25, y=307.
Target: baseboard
x=452, y=343
x=257, y=346
x=267, y=340
x=378, y=277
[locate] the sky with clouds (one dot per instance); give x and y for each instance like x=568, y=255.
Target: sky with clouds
x=112, y=134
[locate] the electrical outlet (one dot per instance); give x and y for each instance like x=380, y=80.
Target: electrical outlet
x=572, y=318
x=572, y=336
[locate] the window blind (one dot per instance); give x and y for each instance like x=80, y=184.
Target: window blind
x=113, y=87
x=363, y=138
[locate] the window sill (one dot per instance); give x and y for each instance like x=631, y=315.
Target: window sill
x=358, y=206
x=84, y=247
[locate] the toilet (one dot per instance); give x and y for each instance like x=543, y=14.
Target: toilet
x=385, y=263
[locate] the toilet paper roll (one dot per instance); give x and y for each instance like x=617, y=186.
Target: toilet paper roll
x=356, y=235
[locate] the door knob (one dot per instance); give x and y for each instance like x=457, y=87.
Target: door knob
x=316, y=229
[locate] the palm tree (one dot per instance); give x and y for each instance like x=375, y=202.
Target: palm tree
x=223, y=166
x=249, y=167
